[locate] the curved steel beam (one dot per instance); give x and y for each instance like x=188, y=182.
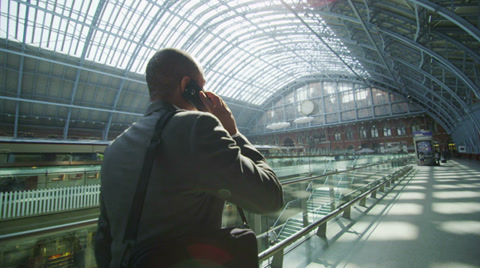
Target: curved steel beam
x=372, y=41
x=20, y=78
x=95, y=20
x=436, y=80
x=440, y=35
x=132, y=59
x=451, y=16
x=444, y=113
x=432, y=53
x=320, y=38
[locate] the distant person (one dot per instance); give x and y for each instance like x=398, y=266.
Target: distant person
x=203, y=161
x=421, y=157
x=437, y=158
x=445, y=156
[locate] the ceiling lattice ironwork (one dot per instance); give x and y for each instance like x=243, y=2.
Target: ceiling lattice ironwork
x=75, y=68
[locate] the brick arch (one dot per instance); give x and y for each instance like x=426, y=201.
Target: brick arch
x=287, y=141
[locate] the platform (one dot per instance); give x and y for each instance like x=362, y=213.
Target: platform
x=429, y=219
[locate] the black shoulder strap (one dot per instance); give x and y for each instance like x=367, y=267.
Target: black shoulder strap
x=242, y=215
x=139, y=198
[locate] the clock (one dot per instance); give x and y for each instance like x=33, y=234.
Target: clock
x=307, y=107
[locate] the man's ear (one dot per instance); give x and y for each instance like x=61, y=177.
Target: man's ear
x=183, y=83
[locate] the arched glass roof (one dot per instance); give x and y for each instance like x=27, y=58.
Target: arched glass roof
x=77, y=65
x=246, y=47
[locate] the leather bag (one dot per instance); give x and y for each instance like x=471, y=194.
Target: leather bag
x=228, y=247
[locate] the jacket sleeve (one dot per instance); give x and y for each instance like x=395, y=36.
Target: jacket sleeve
x=233, y=169
x=103, y=239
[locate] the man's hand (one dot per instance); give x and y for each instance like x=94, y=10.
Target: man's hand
x=219, y=108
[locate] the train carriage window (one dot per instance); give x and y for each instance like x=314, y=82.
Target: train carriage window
x=77, y=176
x=60, y=177
x=93, y=175
x=84, y=157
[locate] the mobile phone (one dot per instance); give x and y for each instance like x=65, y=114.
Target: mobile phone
x=192, y=94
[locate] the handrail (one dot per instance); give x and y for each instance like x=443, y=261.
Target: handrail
x=316, y=177
x=283, y=211
x=55, y=228
x=265, y=234
x=284, y=243
x=315, y=216
x=93, y=221
x=339, y=172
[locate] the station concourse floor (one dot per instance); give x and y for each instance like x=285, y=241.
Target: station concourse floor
x=431, y=218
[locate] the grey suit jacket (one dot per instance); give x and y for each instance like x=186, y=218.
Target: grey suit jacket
x=198, y=167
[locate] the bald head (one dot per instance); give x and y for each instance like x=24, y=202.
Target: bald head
x=166, y=69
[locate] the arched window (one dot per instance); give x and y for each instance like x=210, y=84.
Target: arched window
x=374, y=132
x=401, y=130
x=349, y=134
x=415, y=126
x=387, y=131
x=363, y=133
x=338, y=136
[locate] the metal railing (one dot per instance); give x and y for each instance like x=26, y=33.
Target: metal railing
x=276, y=251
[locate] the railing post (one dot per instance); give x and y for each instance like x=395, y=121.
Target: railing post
x=374, y=194
x=36, y=202
x=322, y=230
x=55, y=199
x=347, y=212
x=21, y=203
x=27, y=202
x=363, y=202
x=5, y=199
x=97, y=196
x=88, y=193
x=15, y=203
x=65, y=198
x=10, y=202
x=2, y=209
x=31, y=210
x=305, y=211
x=75, y=197
x=277, y=261
x=70, y=198
x=41, y=204
x=82, y=196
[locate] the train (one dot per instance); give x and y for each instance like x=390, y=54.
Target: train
x=47, y=152
x=31, y=164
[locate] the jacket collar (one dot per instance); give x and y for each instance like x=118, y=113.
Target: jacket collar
x=158, y=105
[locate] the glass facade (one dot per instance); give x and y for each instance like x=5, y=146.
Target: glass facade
x=334, y=103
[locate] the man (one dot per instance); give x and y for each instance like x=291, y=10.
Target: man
x=202, y=162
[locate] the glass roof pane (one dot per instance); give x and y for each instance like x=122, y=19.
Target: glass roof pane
x=242, y=44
